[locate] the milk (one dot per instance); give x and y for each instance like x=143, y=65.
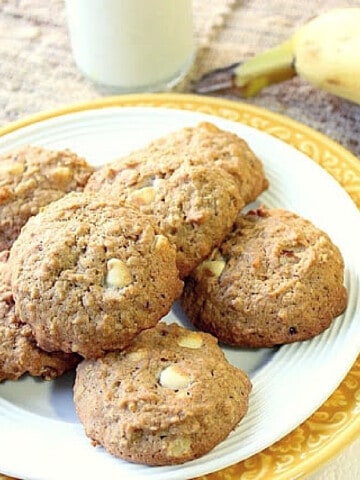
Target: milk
x=132, y=45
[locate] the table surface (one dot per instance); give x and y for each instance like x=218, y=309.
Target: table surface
x=38, y=73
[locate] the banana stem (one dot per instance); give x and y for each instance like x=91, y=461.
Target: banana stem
x=272, y=66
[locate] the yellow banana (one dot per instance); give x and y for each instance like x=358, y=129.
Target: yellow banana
x=324, y=51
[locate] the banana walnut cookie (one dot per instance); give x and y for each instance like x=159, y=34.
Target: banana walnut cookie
x=88, y=274
x=31, y=177
x=275, y=279
x=19, y=353
x=193, y=181
x=169, y=397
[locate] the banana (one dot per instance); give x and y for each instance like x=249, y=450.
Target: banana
x=324, y=51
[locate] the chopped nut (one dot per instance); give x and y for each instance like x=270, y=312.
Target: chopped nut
x=22, y=187
x=172, y=377
x=179, y=446
x=128, y=176
x=143, y=196
x=132, y=406
x=10, y=168
x=192, y=340
x=61, y=175
x=160, y=242
x=214, y=267
x=118, y=274
x=137, y=355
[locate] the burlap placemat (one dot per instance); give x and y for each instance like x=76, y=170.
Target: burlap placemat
x=255, y=25
x=38, y=71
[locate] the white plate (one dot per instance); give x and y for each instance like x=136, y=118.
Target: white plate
x=41, y=437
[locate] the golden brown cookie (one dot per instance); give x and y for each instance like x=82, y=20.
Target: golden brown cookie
x=31, y=177
x=194, y=181
x=204, y=144
x=170, y=397
x=88, y=274
x=275, y=279
x=194, y=206
x=19, y=353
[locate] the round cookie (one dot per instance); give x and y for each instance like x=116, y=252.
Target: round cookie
x=170, y=397
x=275, y=279
x=88, y=274
x=204, y=144
x=194, y=206
x=31, y=177
x=19, y=353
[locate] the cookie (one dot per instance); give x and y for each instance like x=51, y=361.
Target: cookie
x=19, y=353
x=194, y=206
x=31, y=177
x=88, y=274
x=170, y=397
x=204, y=144
x=275, y=279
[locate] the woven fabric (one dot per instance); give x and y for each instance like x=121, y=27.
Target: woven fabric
x=38, y=71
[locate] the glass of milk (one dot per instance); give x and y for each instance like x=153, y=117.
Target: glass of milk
x=132, y=45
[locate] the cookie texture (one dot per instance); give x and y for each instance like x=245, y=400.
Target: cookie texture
x=88, y=274
x=31, y=177
x=205, y=144
x=194, y=206
x=275, y=279
x=170, y=397
x=193, y=181
x=19, y=353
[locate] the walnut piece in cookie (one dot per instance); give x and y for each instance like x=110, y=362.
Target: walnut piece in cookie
x=193, y=181
x=204, y=145
x=88, y=274
x=169, y=397
x=275, y=279
x=31, y=177
x=19, y=353
x=193, y=206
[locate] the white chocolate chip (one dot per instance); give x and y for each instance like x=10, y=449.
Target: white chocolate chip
x=172, y=377
x=118, y=275
x=192, y=340
x=143, y=196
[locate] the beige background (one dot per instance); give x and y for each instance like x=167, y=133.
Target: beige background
x=38, y=73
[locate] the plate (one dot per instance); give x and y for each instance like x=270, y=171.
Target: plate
x=307, y=174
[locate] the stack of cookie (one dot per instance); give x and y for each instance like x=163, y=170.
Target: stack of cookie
x=193, y=182
x=90, y=276
x=30, y=178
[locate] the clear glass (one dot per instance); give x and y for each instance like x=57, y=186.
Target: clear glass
x=132, y=45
